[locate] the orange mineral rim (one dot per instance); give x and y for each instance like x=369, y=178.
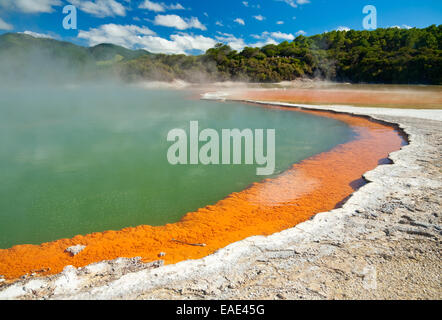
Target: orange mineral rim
x=314, y=185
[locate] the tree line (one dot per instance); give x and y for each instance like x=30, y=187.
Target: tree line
x=393, y=55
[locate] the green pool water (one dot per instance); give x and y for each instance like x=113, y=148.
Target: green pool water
x=84, y=159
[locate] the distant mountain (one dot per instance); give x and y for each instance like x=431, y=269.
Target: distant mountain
x=28, y=58
x=22, y=45
x=112, y=52
x=19, y=43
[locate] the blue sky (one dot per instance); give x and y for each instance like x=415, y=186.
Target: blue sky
x=192, y=26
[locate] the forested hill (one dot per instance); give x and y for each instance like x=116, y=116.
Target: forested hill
x=27, y=58
x=381, y=56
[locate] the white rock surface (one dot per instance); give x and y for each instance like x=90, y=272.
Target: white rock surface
x=384, y=243
x=74, y=250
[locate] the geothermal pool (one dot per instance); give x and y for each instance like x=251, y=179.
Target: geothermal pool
x=88, y=159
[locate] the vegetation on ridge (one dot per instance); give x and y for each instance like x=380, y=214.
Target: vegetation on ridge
x=381, y=56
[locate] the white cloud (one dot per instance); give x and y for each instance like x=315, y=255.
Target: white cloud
x=279, y=22
x=134, y=37
x=37, y=35
x=123, y=35
x=270, y=38
x=342, y=28
x=239, y=21
x=246, y=4
x=404, y=26
x=259, y=17
x=295, y=3
x=301, y=32
x=100, y=8
x=138, y=37
x=261, y=44
x=178, y=44
x=31, y=6
x=281, y=35
x=174, y=21
x=234, y=42
x=219, y=23
x=5, y=26
x=159, y=7
x=176, y=6
x=152, y=6
x=274, y=35
x=239, y=43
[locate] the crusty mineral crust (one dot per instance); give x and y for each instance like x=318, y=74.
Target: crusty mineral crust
x=384, y=243
x=74, y=250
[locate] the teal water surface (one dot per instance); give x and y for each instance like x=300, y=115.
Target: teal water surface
x=80, y=160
